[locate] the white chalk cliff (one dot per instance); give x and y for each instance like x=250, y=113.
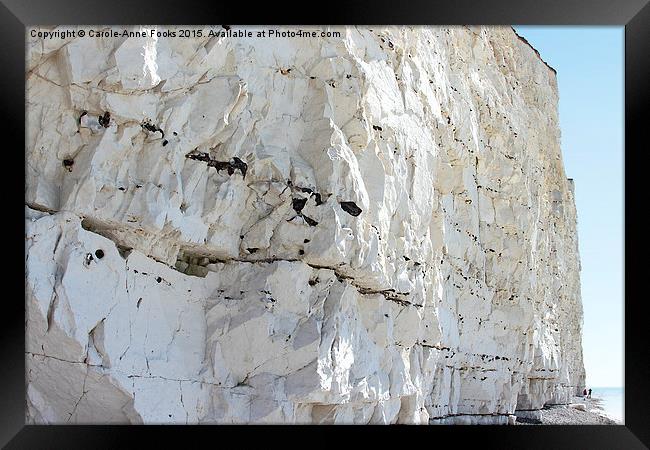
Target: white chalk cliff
x=371, y=228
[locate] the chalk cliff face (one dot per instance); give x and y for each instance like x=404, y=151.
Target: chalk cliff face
x=371, y=228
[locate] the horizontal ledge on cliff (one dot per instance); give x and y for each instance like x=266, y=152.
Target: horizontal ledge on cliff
x=41, y=208
x=100, y=227
x=472, y=415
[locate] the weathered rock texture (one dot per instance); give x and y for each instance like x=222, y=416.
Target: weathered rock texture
x=372, y=228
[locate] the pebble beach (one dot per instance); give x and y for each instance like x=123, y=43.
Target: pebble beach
x=583, y=411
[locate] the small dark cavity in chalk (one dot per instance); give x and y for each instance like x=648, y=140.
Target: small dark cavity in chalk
x=317, y=197
x=105, y=120
x=239, y=164
x=252, y=250
x=298, y=204
x=311, y=222
x=351, y=208
x=229, y=166
x=198, y=156
x=153, y=128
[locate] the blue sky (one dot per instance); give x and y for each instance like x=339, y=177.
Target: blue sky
x=590, y=72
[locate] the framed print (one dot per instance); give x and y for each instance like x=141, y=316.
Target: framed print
x=371, y=216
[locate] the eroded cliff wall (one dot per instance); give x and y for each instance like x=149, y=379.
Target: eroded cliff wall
x=372, y=228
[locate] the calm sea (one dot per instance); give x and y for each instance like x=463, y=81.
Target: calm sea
x=612, y=401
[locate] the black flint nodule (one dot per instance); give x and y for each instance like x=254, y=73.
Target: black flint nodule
x=351, y=208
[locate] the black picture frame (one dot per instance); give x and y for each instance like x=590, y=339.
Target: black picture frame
x=15, y=15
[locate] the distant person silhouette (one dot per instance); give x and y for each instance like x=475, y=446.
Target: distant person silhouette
x=584, y=393
x=589, y=396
